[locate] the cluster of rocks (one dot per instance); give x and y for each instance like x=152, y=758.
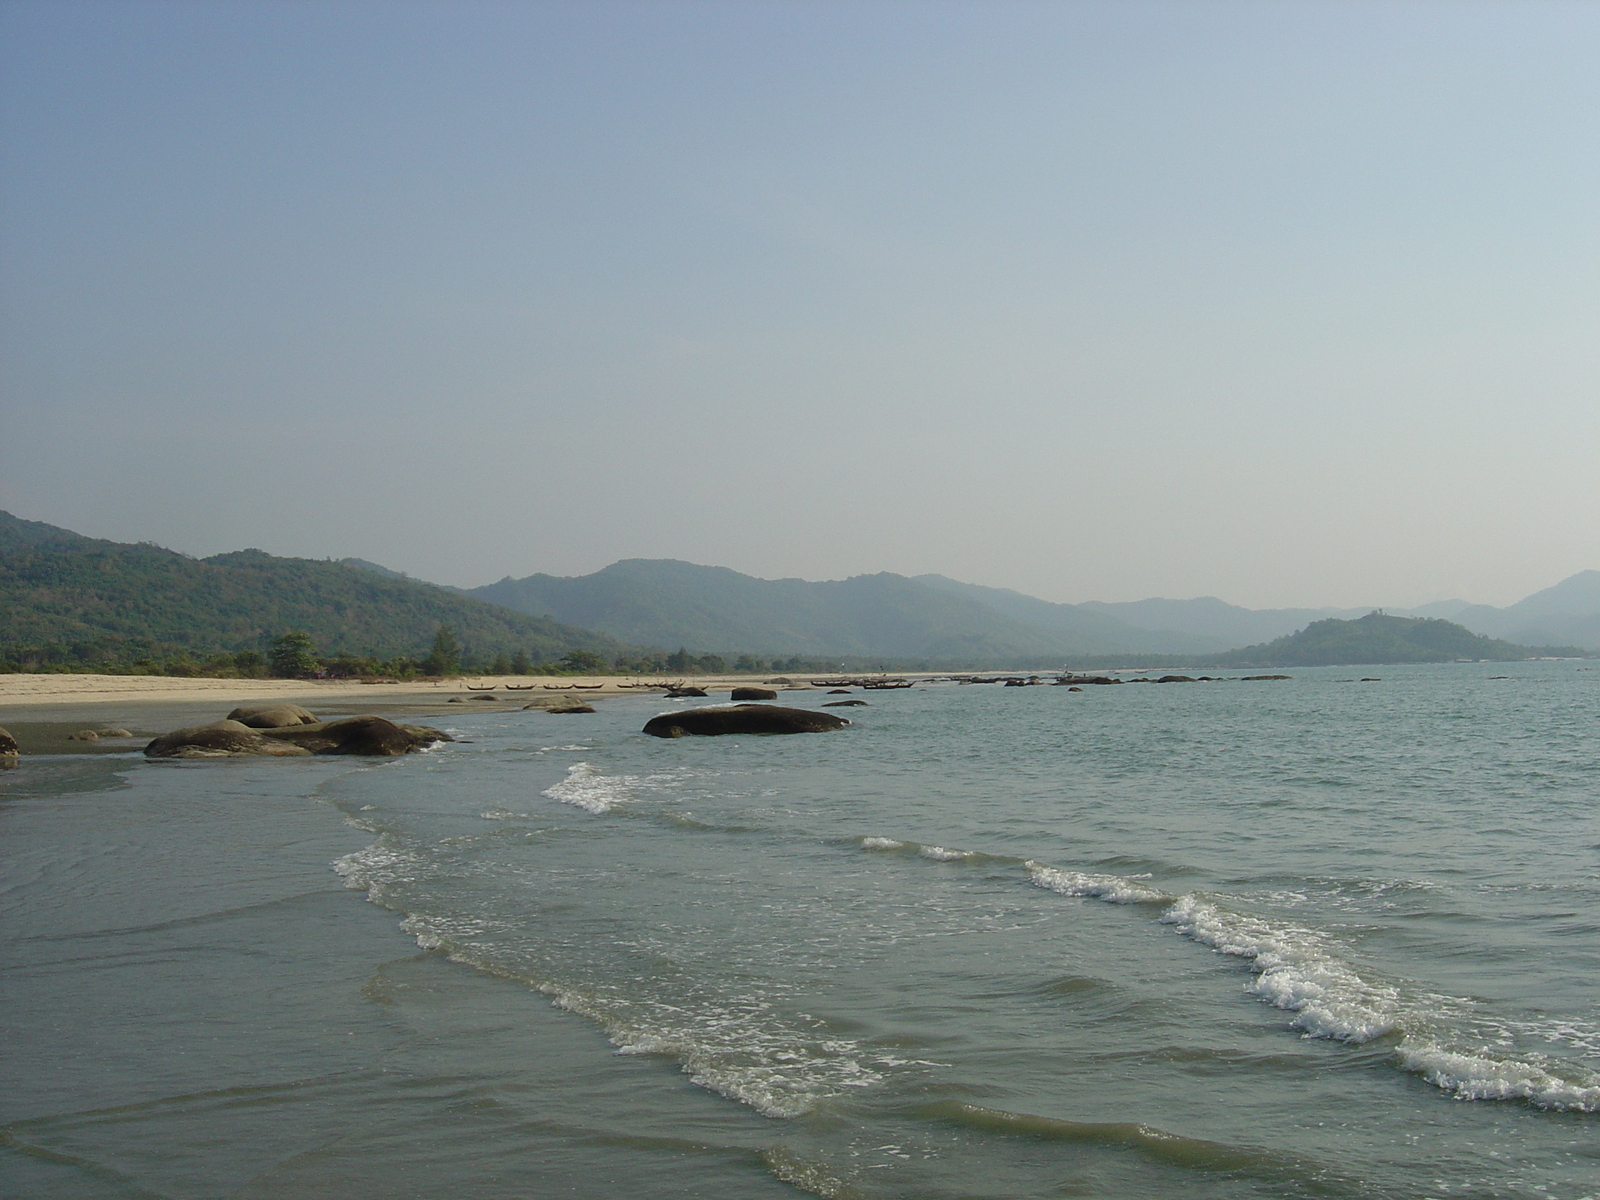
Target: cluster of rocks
x=289, y=731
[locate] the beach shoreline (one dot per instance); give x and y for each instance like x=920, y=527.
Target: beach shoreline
x=41, y=710
x=43, y=689
x=51, y=689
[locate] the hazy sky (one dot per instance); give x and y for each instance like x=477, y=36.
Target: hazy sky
x=1290, y=303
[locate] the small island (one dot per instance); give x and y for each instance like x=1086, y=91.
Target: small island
x=1379, y=638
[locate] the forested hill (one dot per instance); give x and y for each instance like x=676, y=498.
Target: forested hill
x=1379, y=638
x=66, y=598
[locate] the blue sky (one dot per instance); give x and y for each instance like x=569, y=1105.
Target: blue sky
x=1290, y=303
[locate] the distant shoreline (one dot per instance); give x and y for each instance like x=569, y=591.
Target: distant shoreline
x=48, y=689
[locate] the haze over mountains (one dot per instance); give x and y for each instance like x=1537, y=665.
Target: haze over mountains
x=666, y=602
x=94, y=599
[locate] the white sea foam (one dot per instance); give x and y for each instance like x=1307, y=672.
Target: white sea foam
x=740, y=1048
x=934, y=853
x=591, y=791
x=1116, y=889
x=1441, y=1037
x=1481, y=1076
x=377, y=866
x=1303, y=971
x=1295, y=971
x=943, y=854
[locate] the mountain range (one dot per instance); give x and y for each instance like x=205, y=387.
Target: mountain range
x=96, y=600
x=934, y=618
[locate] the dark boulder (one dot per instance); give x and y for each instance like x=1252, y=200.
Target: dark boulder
x=1177, y=679
x=1255, y=678
x=845, y=704
x=8, y=745
x=272, y=716
x=484, y=697
x=674, y=693
x=839, y=692
x=746, y=718
x=371, y=736
x=754, y=693
x=220, y=739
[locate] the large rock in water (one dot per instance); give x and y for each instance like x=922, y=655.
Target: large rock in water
x=272, y=716
x=8, y=744
x=372, y=736
x=220, y=739
x=754, y=693
x=745, y=718
x=354, y=735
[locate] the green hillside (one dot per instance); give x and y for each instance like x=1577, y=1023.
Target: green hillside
x=66, y=599
x=1378, y=638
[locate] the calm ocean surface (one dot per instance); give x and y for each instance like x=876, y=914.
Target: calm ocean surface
x=1308, y=938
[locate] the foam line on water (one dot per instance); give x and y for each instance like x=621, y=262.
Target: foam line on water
x=742, y=1047
x=1303, y=971
x=928, y=851
x=1295, y=971
x=588, y=789
x=1300, y=970
x=1114, y=889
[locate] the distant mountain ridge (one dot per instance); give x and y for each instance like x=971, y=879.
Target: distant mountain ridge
x=92, y=597
x=667, y=602
x=927, y=617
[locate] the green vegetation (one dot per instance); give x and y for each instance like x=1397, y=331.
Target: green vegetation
x=69, y=602
x=444, y=658
x=294, y=656
x=1379, y=638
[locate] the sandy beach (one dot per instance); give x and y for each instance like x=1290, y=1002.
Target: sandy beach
x=43, y=690
x=41, y=711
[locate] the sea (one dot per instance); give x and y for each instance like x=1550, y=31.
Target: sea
x=1335, y=935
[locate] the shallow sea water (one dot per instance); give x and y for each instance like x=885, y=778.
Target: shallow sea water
x=1310, y=937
